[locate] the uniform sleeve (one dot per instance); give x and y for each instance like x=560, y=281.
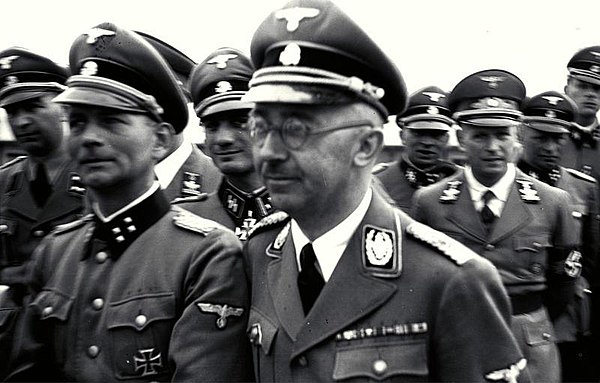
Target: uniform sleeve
x=208, y=342
x=472, y=338
x=591, y=235
x=564, y=259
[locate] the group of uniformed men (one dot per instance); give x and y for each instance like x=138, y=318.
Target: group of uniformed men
x=287, y=254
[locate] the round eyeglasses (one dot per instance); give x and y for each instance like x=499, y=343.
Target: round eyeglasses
x=294, y=132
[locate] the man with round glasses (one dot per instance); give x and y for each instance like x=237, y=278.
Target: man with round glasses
x=342, y=284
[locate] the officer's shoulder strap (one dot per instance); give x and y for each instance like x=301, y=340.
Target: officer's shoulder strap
x=190, y=221
x=450, y=247
x=273, y=219
x=193, y=198
x=378, y=168
x=13, y=161
x=581, y=175
x=65, y=228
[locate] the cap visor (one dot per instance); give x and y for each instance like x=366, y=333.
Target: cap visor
x=96, y=97
x=546, y=127
x=428, y=122
x=489, y=122
x=225, y=106
x=16, y=97
x=594, y=79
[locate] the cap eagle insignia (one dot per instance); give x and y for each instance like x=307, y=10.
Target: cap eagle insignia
x=293, y=16
x=597, y=54
x=553, y=100
x=434, y=96
x=220, y=61
x=94, y=33
x=223, y=311
x=6, y=62
x=492, y=80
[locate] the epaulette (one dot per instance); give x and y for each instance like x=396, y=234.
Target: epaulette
x=193, y=198
x=581, y=175
x=378, y=168
x=64, y=228
x=13, y=161
x=270, y=220
x=455, y=250
x=193, y=222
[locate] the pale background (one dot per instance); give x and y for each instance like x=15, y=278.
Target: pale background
x=436, y=42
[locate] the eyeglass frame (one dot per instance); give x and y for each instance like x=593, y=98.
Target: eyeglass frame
x=310, y=132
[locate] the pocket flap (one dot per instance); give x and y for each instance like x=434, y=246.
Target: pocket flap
x=7, y=226
x=531, y=243
x=261, y=330
x=381, y=362
x=52, y=304
x=537, y=334
x=139, y=311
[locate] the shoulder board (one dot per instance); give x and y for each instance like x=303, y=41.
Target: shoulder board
x=60, y=229
x=268, y=221
x=12, y=162
x=193, y=198
x=193, y=222
x=581, y=175
x=378, y=168
x=453, y=249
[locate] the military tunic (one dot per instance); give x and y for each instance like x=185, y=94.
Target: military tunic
x=394, y=309
x=582, y=151
x=197, y=175
x=231, y=207
x=530, y=245
x=157, y=293
x=401, y=179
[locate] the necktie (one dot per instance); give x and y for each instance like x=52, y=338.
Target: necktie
x=40, y=186
x=487, y=215
x=310, y=281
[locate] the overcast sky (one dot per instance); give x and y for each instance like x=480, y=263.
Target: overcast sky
x=435, y=42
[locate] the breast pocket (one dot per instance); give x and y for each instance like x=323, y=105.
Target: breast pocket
x=531, y=255
x=262, y=332
x=8, y=249
x=140, y=329
x=405, y=361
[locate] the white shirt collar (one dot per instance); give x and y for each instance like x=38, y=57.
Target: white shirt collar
x=330, y=246
x=501, y=189
x=166, y=169
x=148, y=193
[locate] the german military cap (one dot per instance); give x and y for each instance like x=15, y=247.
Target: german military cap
x=218, y=83
x=427, y=105
x=310, y=52
x=550, y=112
x=116, y=68
x=585, y=65
x=25, y=75
x=488, y=98
x=180, y=64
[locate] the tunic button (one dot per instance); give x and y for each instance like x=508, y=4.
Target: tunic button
x=101, y=257
x=546, y=336
x=140, y=320
x=3, y=228
x=489, y=246
x=38, y=233
x=98, y=303
x=47, y=311
x=303, y=361
x=380, y=367
x=93, y=351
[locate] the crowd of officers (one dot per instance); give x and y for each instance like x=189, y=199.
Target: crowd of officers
x=286, y=253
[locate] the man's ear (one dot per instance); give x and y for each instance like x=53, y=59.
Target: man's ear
x=164, y=134
x=370, y=144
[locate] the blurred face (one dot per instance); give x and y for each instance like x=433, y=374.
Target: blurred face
x=542, y=149
x=228, y=142
x=305, y=175
x=112, y=148
x=37, y=124
x=586, y=95
x=489, y=150
x=424, y=147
